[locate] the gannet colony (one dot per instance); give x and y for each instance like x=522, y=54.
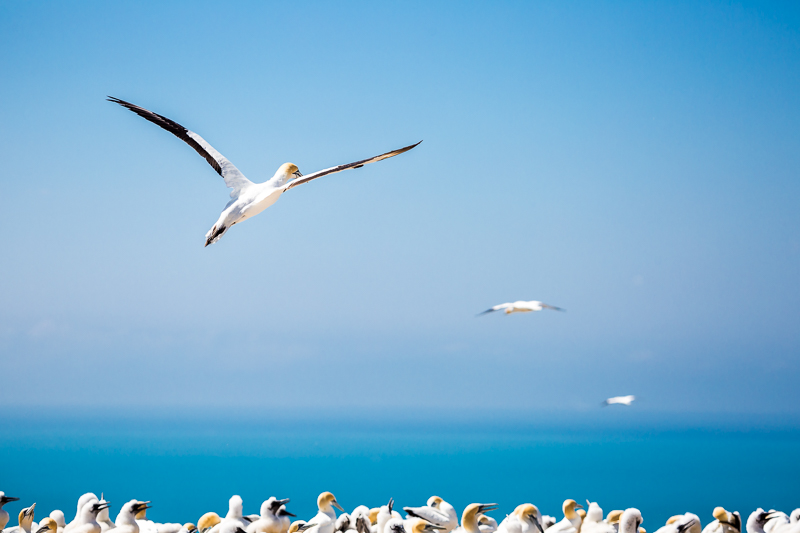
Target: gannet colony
x=92, y=516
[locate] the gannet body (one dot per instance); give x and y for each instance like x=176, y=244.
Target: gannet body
x=438, y=512
x=3, y=513
x=521, y=307
x=247, y=198
x=777, y=522
x=526, y=518
x=126, y=518
x=82, y=501
x=268, y=521
x=630, y=521
x=685, y=523
x=571, y=522
x=361, y=519
x=725, y=522
x=418, y=525
x=619, y=400
x=88, y=519
x=385, y=513
x=325, y=520
x=470, y=516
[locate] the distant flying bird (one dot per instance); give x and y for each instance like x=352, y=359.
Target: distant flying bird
x=247, y=198
x=521, y=307
x=621, y=400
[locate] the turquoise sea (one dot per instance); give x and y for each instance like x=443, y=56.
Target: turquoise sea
x=188, y=463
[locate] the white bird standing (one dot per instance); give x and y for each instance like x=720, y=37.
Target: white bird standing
x=725, y=522
x=269, y=522
x=247, y=198
x=438, y=512
x=82, y=501
x=593, y=522
x=325, y=519
x=126, y=518
x=88, y=518
x=619, y=400
x=3, y=513
x=521, y=307
x=571, y=522
x=525, y=519
x=104, y=519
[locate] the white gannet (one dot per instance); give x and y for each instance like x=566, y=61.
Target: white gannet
x=777, y=522
x=325, y=520
x=725, y=522
x=145, y=525
x=757, y=520
x=385, y=513
x=82, y=501
x=619, y=400
x=471, y=514
x=103, y=517
x=571, y=522
x=235, y=506
x=126, y=518
x=612, y=519
x=343, y=523
x=3, y=513
x=361, y=519
x=685, y=523
x=88, y=518
x=298, y=526
x=521, y=307
x=525, y=519
x=25, y=520
x=268, y=521
x=630, y=520
x=247, y=198
x=438, y=512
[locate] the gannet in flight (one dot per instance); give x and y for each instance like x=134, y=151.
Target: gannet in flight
x=521, y=307
x=620, y=400
x=3, y=513
x=438, y=512
x=247, y=198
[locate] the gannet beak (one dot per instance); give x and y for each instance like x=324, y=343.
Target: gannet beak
x=6, y=499
x=42, y=529
x=283, y=501
x=578, y=506
x=486, y=507
x=287, y=513
x=240, y=530
x=297, y=174
x=336, y=504
x=29, y=510
x=102, y=506
x=770, y=516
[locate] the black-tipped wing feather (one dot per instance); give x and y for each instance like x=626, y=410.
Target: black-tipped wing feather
x=233, y=178
x=357, y=164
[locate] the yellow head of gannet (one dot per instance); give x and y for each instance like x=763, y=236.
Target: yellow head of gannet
x=373, y=515
x=288, y=171
x=527, y=512
x=581, y=513
x=326, y=499
x=434, y=501
x=191, y=528
x=26, y=518
x=469, y=518
x=642, y=530
x=48, y=525
x=569, y=507
x=207, y=521
x=673, y=519
x=418, y=525
x=140, y=508
x=613, y=516
x=299, y=526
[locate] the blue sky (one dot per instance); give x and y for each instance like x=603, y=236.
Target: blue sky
x=634, y=163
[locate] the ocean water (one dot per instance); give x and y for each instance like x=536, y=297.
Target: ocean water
x=191, y=463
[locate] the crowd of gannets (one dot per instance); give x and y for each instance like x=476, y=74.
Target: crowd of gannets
x=438, y=516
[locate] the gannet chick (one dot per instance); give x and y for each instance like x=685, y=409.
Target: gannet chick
x=235, y=506
x=469, y=518
x=524, y=519
x=247, y=198
x=487, y=524
x=82, y=501
x=385, y=513
x=325, y=519
x=361, y=519
x=548, y=521
x=343, y=523
x=88, y=519
x=438, y=512
x=725, y=522
x=630, y=521
x=571, y=522
x=268, y=521
x=3, y=513
x=208, y=521
x=58, y=516
x=126, y=518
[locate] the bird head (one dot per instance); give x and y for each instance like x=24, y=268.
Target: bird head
x=288, y=171
x=327, y=499
x=207, y=521
x=569, y=507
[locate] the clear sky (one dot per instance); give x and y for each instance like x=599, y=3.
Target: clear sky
x=633, y=162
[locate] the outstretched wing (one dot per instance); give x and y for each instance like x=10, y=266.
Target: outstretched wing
x=357, y=164
x=428, y=513
x=495, y=308
x=233, y=178
x=554, y=308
